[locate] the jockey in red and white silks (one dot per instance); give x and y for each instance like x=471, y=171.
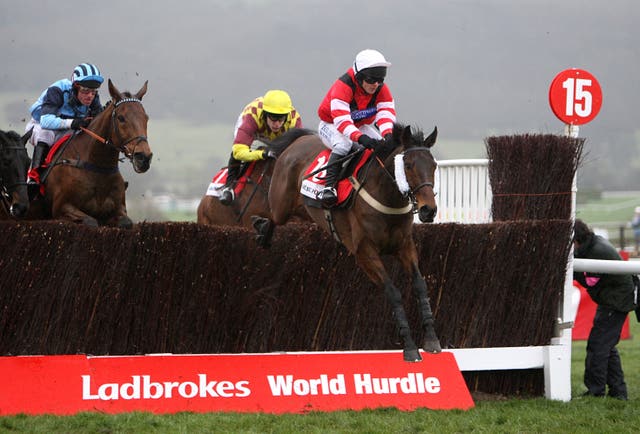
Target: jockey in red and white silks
x=358, y=108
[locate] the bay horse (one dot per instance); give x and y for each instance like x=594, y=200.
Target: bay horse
x=14, y=164
x=396, y=181
x=83, y=183
x=252, y=201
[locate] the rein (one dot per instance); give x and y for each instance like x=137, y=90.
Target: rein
x=253, y=193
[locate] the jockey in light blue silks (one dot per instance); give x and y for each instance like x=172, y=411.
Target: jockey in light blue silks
x=64, y=105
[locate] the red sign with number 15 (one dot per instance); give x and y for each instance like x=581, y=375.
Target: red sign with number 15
x=575, y=96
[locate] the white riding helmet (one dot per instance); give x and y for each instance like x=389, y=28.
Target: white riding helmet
x=369, y=59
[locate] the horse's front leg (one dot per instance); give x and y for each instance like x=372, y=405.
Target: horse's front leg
x=120, y=218
x=369, y=260
x=67, y=211
x=431, y=343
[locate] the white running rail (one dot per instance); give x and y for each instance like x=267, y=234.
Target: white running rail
x=463, y=191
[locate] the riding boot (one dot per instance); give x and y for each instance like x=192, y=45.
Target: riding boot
x=233, y=170
x=39, y=155
x=328, y=196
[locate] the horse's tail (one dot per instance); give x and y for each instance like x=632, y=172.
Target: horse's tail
x=280, y=143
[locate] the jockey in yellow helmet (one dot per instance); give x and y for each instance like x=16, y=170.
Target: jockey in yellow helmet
x=267, y=117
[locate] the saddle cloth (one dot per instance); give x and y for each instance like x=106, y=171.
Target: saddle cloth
x=34, y=173
x=312, y=185
x=217, y=183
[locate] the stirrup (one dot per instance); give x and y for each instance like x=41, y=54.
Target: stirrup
x=227, y=197
x=328, y=196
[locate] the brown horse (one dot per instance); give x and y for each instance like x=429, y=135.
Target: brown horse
x=379, y=222
x=252, y=200
x=14, y=164
x=83, y=183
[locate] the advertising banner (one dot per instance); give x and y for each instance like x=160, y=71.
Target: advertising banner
x=269, y=383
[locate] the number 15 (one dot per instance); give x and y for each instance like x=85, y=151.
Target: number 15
x=579, y=100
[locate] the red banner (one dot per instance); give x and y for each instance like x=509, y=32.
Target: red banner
x=270, y=383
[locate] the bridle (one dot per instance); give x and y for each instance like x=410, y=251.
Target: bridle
x=416, y=189
x=122, y=143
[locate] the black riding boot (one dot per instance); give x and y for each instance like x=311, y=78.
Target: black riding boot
x=233, y=171
x=39, y=155
x=328, y=196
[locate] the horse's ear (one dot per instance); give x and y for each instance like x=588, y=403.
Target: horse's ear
x=431, y=140
x=25, y=138
x=115, y=93
x=142, y=90
x=406, y=135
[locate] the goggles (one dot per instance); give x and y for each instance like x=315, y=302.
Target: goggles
x=372, y=80
x=87, y=90
x=276, y=117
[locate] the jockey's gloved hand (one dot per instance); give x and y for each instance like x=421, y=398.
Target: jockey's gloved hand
x=78, y=123
x=269, y=154
x=388, y=136
x=367, y=141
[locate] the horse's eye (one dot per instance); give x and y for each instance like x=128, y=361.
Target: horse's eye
x=121, y=118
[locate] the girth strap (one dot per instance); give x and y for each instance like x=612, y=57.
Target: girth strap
x=81, y=164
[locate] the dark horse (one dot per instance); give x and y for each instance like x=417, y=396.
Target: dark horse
x=14, y=164
x=84, y=183
x=252, y=200
x=380, y=220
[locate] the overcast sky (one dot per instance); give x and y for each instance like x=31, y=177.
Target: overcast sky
x=472, y=67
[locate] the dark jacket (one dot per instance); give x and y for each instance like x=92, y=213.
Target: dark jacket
x=614, y=291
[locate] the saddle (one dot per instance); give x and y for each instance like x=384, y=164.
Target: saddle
x=219, y=180
x=314, y=181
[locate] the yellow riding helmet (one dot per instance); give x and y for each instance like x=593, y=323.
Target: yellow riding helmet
x=277, y=102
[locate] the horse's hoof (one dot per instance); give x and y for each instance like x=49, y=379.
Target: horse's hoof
x=432, y=346
x=262, y=241
x=90, y=221
x=412, y=355
x=125, y=223
x=257, y=222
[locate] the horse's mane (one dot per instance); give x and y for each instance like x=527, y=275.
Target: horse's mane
x=416, y=133
x=9, y=136
x=280, y=143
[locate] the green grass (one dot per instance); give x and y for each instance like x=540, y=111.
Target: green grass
x=581, y=415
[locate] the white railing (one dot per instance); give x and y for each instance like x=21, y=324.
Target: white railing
x=463, y=191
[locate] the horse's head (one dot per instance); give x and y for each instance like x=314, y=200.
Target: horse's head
x=14, y=164
x=415, y=169
x=129, y=127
